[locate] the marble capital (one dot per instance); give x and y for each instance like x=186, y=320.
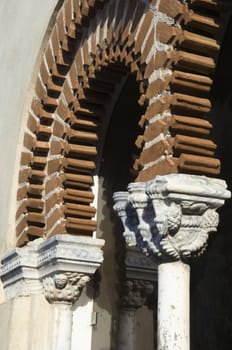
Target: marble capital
x=171, y=216
x=64, y=287
x=135, y=293
x=59, y=267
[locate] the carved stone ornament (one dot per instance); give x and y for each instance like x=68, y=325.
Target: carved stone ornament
x=135, y=293
x=60, y=265
x=172, y=215
x=64, y=287
x=19, y=272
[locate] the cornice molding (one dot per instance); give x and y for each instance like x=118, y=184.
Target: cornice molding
x=42, y=265
x=140, y=267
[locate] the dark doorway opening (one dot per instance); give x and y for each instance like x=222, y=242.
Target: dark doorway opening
x=211, y=280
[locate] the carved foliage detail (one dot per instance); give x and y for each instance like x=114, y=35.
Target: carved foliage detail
x=175, y=214
x=64, y=287
x=135, y=293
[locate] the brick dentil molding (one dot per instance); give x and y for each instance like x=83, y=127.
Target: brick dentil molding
x=171, y=47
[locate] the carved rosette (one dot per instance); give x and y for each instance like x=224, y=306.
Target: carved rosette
x=135, y=293
x=64, y=287
x=175, y=213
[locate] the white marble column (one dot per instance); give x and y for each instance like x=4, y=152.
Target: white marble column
x=62, y=327
x=173, y=305
x=62, y=290
x=171, y=218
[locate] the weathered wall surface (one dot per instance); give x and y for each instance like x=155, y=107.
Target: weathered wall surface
x=211, y=305
x=20, y=322
x=23, y=25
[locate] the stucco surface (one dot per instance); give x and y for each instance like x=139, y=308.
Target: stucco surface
x=23, y=25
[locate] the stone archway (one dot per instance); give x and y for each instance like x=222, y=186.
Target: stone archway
x=170, y=47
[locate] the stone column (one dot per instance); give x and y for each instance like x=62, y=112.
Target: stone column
x=59, y=268
x=62, y=290
x=173, y=306
x=171, y=218
x=134, y=295
x=137, y=285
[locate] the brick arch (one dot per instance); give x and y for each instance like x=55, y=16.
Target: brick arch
x=170, y=46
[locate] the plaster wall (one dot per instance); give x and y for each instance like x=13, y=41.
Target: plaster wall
x=23, y=25
x=144, y=329
x=30, y=332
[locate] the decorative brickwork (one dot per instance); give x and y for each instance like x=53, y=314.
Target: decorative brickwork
x=171, y=46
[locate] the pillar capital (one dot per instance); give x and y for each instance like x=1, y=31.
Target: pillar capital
x=64, y=287
x=59, y=267
x=135, y=293
x=171, y=216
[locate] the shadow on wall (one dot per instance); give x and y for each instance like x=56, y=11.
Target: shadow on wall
x=211, y=284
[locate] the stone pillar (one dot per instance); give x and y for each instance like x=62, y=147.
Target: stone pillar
x=173, y=305
x=135, y=293
x=137, y=282
x=171, y=218
x=59, y=268
x=62, y=290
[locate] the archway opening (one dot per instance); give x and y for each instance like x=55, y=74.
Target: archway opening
x=120, y=151
x=115, y=172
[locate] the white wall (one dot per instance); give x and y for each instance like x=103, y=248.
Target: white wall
x=23, y=25
x=21, y=327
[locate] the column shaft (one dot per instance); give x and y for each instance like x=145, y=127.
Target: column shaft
x=173, y=306
x=126, y=333
x=171, y=217
x=61, y=327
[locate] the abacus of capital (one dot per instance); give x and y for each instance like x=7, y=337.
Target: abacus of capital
x=171, y=218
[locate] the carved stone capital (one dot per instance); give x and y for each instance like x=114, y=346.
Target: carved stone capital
x=128, y=217
x=60, y=266
x=64, y=287
x=135, y=293
x=174, y=213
